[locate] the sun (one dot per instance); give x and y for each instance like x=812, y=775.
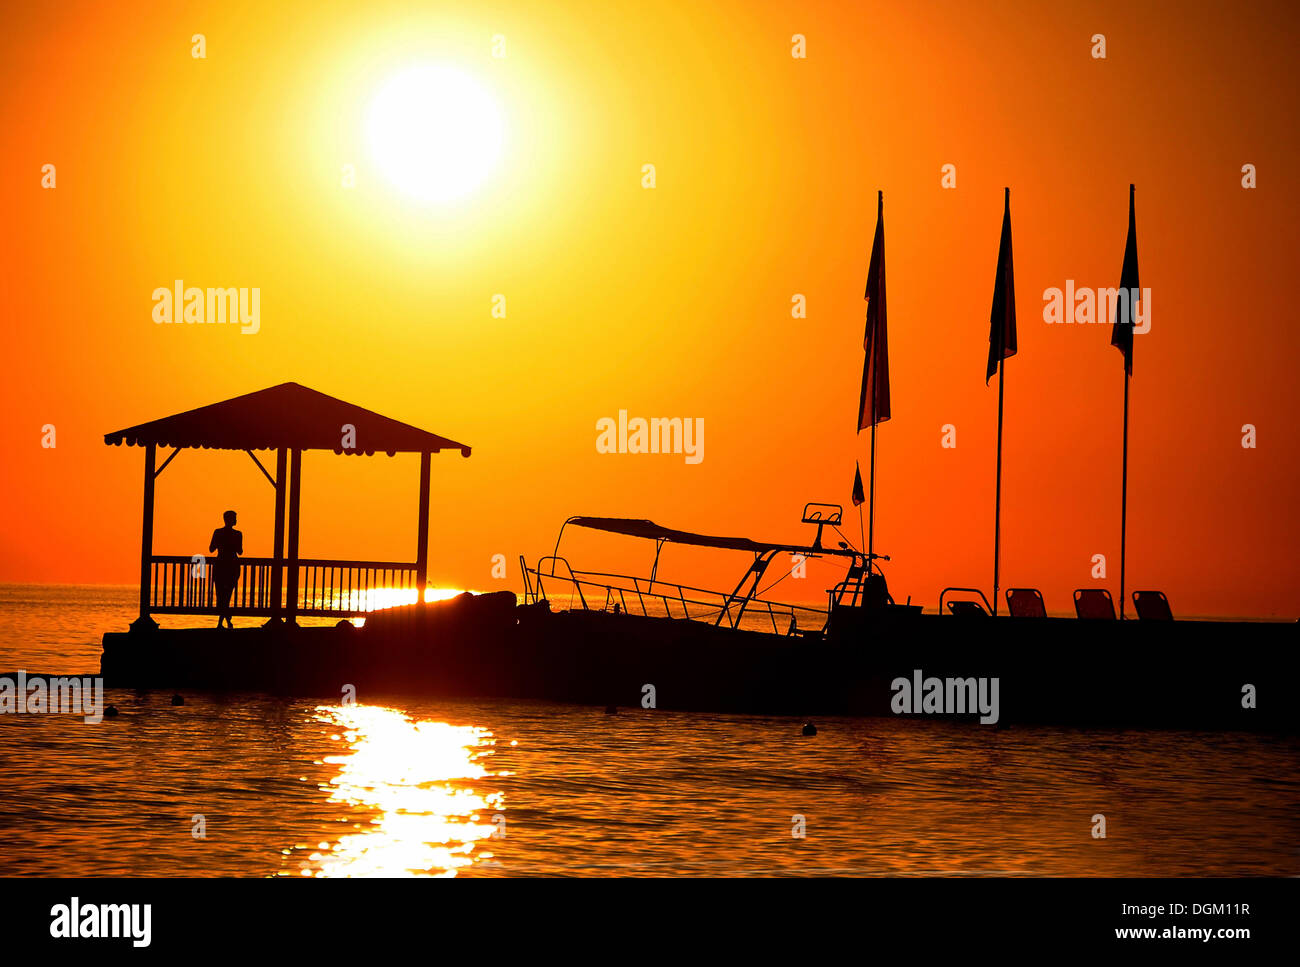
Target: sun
x=434, y=132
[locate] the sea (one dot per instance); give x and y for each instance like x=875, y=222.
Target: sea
x=252, y=785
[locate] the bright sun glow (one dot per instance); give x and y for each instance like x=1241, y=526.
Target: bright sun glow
x=434, y=132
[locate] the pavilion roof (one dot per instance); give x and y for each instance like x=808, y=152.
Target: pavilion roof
x=288, y=415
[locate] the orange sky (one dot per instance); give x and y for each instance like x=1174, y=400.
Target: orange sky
x=674, y=301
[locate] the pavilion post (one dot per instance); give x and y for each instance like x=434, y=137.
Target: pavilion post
x=144, y=622
x=277, y=568
x=295, y=496
x=422, y=538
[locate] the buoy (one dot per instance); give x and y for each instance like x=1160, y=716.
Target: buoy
x=611, y=709
x=110, y=711
x=809, y=729
x=177, y=699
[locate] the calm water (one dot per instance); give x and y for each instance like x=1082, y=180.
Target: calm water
x=397, y=787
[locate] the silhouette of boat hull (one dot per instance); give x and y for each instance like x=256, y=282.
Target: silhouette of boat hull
x=1181, y=674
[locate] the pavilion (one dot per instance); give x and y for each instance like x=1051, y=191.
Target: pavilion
x=288, y=418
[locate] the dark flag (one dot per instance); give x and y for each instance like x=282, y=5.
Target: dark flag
x=1002, y=343
x=873, y=406
x=858, y=496
x=1121, y=337
x=1121, y=333
x=1002, y=322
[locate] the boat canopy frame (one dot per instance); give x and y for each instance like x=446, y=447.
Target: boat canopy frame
x=732, y=606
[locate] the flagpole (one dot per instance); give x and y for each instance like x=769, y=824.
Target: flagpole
x=997, y=500
x=871, y=512
x=1002, y=343
x=1123, y=501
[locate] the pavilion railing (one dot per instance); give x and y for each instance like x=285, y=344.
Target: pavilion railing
x=326, y=588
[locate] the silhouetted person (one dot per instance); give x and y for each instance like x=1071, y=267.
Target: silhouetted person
x=229, y=544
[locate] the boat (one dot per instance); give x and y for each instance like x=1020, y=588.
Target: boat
x=618, y=640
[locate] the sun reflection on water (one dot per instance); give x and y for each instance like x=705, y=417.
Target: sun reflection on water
x=414, y=780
